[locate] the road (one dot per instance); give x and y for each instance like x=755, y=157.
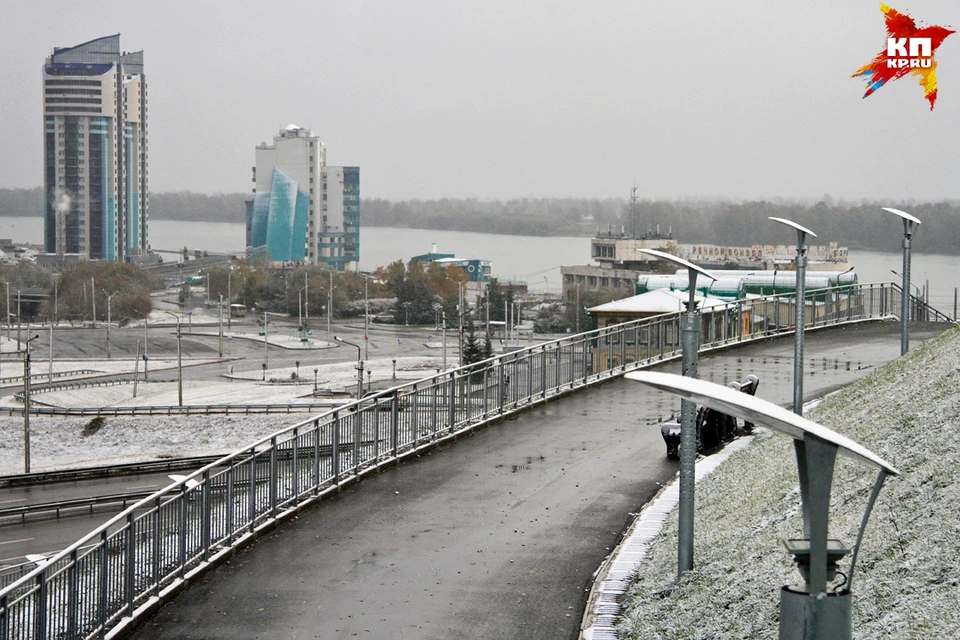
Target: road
x=496, y=535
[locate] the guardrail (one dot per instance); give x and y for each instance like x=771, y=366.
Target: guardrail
x=125, y=568
x=170, y=410
x=106, y=471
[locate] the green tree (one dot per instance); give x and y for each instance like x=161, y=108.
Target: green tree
x=472, y=348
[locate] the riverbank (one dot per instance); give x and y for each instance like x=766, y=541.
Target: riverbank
x=907, y=575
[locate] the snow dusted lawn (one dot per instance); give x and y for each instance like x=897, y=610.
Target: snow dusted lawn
x=58, y=442
x=907, y=582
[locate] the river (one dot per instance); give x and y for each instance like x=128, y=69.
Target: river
x=532, y=259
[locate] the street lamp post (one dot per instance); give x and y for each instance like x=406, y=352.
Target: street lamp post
x=820, y=607
x=93, y=302
x=220, y=326
x=910, y=224
x=315, y=371
x=359, y=365
x=109, y=299
x=800, y=302
x=366, y=319
x=688, y=411
x=330, y=306
x=266, y=357
x=146, y=358
x=306, y=296
x=179, y=362
x=26, y=404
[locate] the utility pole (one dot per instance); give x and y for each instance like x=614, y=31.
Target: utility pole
x=578, y=308
x=306, y=296
x=109, y=299
x=330, y=305
x=26, y=405
x=146, y=358
x=93, y=301
x=366, y=320
x=220, y=323
x=179, y=363
x=136, y=369
x=460, y=322
x=229, y=301
x=50, y=370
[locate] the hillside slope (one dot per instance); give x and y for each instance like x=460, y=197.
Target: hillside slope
x=906, y=582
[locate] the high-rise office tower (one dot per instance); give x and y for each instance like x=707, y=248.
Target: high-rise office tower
x=302, y=209
x=95, y=151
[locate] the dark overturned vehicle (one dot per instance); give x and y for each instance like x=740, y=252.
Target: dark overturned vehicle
x=713, y=428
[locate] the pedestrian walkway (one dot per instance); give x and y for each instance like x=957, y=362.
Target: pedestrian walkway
x=497, y=535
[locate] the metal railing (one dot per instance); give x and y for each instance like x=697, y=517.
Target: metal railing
x=123, y=569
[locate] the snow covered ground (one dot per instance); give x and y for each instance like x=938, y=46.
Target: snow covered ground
x=58, y=442
x=907, y=582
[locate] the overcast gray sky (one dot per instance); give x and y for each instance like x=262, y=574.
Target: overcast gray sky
x=434, y=98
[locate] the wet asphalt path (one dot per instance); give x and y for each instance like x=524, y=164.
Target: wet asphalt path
x=496, y=535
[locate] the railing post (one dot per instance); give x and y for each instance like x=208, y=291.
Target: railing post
x=543, y=376
x=529, y=359
x=252, y=493
x=316, y=457
x=356, y=437
x=501, y=390
x=73, y=577
x=295, y=481
x=230, y=506
x=660, y=337
x=274, y=477
x=335, y=447
x=131, y=562
x=40, y=607
x=183, y=530
x=452, y=397
x=205, y=516
x=486, y=391
x=157, y=551
x=102, y=585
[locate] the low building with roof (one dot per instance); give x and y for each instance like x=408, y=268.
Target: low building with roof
x=477, y=270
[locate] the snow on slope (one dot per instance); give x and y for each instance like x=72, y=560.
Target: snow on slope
x=907, y=577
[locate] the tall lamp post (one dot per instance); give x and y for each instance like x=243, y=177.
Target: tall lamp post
x=910, y=224
x=819, y=607
x=688, y=410
x=109, y=319
x=179, y=362
x=800, y=302
x=359, y=365
x=26, y=404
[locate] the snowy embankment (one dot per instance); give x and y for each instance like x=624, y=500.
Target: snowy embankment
x=59, y=442
x=907, y=577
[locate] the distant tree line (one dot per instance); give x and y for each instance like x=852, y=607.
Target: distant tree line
x=856, y=225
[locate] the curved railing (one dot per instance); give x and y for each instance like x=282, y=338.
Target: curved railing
x=122, y=570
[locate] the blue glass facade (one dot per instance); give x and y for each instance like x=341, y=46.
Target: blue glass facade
x=279, y=220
